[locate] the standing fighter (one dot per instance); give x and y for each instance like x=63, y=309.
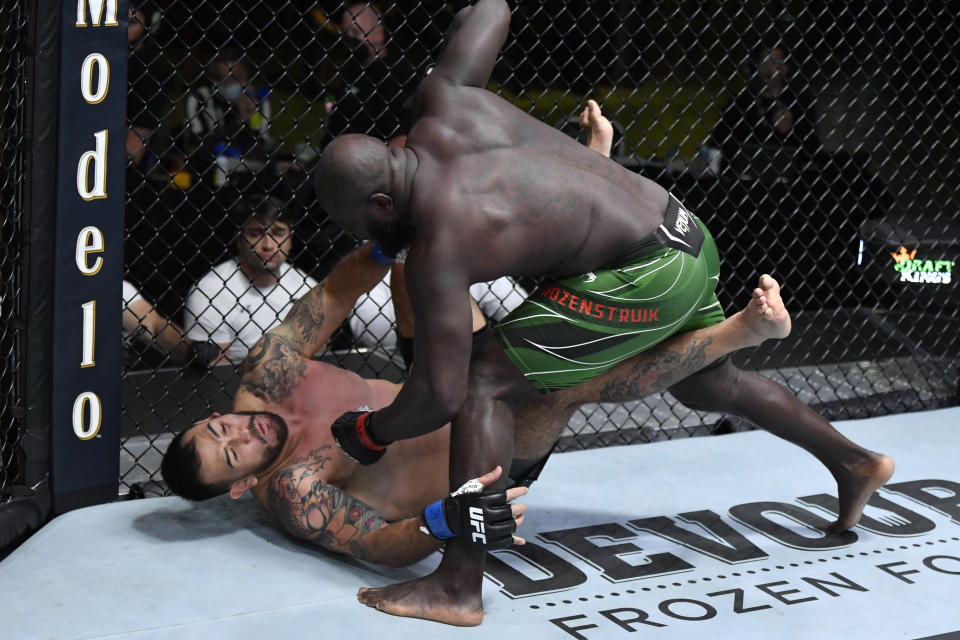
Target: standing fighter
x=483, y=190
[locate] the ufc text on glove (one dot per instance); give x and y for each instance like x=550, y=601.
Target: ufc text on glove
x=483, y=519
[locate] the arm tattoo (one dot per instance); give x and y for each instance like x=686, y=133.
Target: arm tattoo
x=308, y=507
x=306, y=317
x=273, y=369
x=655, y=371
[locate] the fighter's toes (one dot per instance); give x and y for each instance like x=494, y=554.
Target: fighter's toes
x=765, y=314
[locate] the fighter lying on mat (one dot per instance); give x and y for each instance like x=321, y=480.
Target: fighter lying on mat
x=278, y=445
x=482, y=190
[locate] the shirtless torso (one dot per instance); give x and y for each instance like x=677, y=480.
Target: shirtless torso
x=411, y=475
x=517, y=196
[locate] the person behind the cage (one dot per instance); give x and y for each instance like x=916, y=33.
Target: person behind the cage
x=228, y=119
x=243, y=297
x=145, y=95
x=770, y=111
x=142, y=322
x=374, y=96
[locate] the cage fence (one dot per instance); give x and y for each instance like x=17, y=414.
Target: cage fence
x=13, y=78
x=816, y=141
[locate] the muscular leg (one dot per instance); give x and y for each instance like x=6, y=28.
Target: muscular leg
x=540, y=422
x=481, y=438
x=726, y=389
x=773, y=407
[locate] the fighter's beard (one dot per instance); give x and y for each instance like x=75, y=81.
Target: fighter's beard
x=278, y=425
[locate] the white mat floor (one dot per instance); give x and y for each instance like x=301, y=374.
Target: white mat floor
x=610, y=555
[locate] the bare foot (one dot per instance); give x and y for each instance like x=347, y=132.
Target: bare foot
x=429, y=598
x=765, y=316
x=856, y=487
x=599, y=129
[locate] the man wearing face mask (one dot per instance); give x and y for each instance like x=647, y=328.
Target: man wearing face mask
x=229, y=118
x=377, y=88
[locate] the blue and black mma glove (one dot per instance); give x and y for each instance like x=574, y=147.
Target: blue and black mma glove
x=380, y=256
x=384, y=259
x=352, y=434
x=482, y=518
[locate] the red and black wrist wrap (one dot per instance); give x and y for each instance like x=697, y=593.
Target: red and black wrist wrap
x=353, y=434
x=363, y=423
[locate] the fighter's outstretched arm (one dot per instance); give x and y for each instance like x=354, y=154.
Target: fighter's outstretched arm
x=473, y=44
x=272, y=369
x=313, y=318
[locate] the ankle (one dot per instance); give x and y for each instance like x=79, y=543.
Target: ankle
x=745, y=335
x=856, y=463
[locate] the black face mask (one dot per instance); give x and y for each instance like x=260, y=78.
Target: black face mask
x=357, y=48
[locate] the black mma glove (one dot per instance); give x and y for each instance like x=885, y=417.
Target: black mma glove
x=352, y=433
x=201, y=354
x=482, y=518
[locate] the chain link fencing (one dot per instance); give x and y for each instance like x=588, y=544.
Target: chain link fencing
x=13, y=79
x=817, y=141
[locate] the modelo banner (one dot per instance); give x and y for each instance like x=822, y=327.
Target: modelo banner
x=89, y=254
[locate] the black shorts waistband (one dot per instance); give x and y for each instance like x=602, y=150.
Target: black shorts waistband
x=647, y=245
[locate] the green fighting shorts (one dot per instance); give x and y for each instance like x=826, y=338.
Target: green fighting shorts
x=572, y=330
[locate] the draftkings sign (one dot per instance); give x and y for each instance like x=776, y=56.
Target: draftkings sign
x=89, y=253
x=922, y=270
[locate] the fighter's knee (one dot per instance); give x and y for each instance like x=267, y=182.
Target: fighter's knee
x=484, y=373
x=492, y=373
x=713, y=389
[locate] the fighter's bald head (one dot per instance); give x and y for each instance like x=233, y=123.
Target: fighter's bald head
x=351, y=168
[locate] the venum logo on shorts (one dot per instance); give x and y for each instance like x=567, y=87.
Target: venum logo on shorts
x=682, y=224
x=679, y=230
x=922, y=271
x=600, y=311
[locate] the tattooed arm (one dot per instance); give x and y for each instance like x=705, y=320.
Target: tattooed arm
x=313, y=510
x=314, y=317
x=275, y=365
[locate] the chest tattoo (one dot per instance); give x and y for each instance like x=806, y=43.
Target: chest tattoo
x=313, y=510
